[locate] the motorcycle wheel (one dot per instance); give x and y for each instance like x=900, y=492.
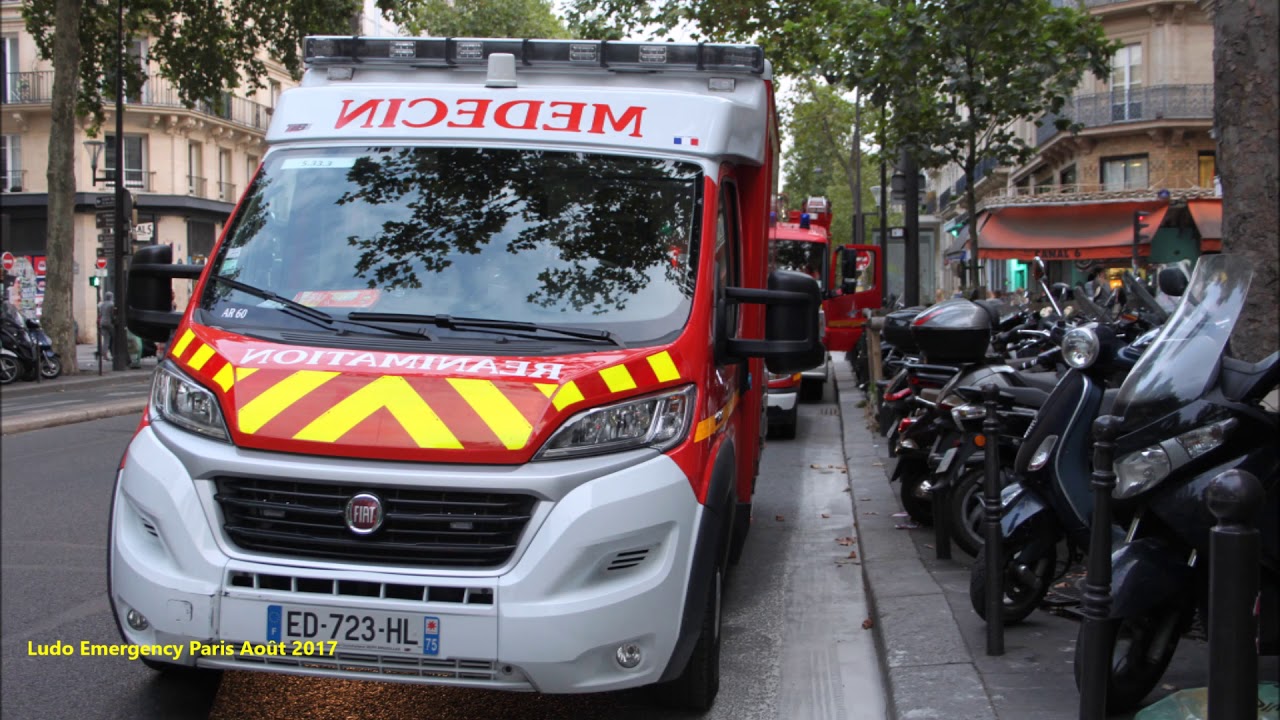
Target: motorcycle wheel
x=1029, y=564
x=916, y=499
x=1129, y=641
x=968, y=516
x=50, y=367
x=8, y=369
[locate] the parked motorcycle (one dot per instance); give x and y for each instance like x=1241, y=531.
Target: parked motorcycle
x=1188, y=412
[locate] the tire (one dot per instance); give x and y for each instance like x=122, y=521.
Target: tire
x=741, y=527
x=785, y=429
x=915, y=498
x=696, y=688
x=50, y=368
x=811, y=390
x=1132, y=676
x=968, y=515
x=9, y=369
x=1037, y=548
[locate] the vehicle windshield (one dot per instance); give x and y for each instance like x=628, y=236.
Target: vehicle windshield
x=1182, y=362
x=574, y=240
x=800, y=256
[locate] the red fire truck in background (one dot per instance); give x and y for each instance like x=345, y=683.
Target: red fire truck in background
x=850, y=281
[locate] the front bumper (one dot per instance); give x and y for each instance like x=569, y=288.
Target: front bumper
x=781, y=401
x=819, y=374
x=552, y=616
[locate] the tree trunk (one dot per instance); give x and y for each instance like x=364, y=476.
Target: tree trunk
x=1246, y=117
x=58, y=314
x=971, y=198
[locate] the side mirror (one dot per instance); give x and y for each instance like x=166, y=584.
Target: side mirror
x=1037, y=269
x=1172, y=281
x=792, y=340
x=149, y=293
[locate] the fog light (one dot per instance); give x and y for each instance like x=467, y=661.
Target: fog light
x=136, y=620
x=628, y=655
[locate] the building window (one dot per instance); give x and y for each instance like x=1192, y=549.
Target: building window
x=1208, y=169
x=195, y=169
x=135, y=162
x=14, y=82
x=226, y=188
x=10, y=164
x=200, y=237
x=1023, y=186
x=1126, y=83
x=250, y=168
x=1067, y=180
x=1044, y=182
x=1124, y=173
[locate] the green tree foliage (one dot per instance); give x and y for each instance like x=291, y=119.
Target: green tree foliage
x=480, y=18
x=821, y=159
x=204, y=47
x=957, y=75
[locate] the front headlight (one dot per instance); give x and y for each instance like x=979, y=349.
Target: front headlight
x=185, y=403
x=659, y=421
x=1080, y=347
x=1203, y=439
x=1140, y=471
x=961, y=413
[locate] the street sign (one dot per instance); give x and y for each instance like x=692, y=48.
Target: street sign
x=100, y=272
x=7, y=260
x=105, y=220
x=101, y=263
x=105, y=238
x=144, y=232
x=105, y=201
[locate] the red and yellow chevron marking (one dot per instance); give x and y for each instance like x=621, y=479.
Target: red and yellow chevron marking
x=220, y=372
x=394, y=409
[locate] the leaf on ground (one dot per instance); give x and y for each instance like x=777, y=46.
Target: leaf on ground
x=853, y=554
x=815, y=467
x=900, y=514
x=865, y=499
x=878, y=464
x=845, y=540
x=871, y=512
x=778, y=518
x=826, y=515
x=907, y=526
x=868, y=624
x=928, y=546
x=847, y=490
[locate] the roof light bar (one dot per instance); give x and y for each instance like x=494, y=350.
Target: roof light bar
x=614, y=55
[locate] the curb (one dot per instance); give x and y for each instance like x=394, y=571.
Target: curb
x=69, y=417
x=912, y=687
x=78, y=382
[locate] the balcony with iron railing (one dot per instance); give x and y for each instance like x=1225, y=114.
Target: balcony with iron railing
x=13, y=181
x=140, y=180
x=1132, y=105
x=226, y=192
x=36, y=88
x=196, y=185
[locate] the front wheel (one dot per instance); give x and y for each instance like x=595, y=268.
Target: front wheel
x=697, y=686
x=968, y=514
x=8, y=369
x=917, y=499
x=50, y=366
x=1029, y=564
x=1140, y=650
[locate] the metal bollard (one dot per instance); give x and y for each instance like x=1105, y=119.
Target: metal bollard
x=1234, y=498
x=940, y=494
x=1095, y=655
x=993, y=540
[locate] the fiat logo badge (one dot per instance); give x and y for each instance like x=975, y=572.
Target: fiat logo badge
x=364, y=514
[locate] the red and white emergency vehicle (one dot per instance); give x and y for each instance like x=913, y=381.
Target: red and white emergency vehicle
x=801, y=241
x=471, y=389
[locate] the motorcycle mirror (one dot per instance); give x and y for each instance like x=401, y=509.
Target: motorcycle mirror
x=1172, y=281
x=1037, y=269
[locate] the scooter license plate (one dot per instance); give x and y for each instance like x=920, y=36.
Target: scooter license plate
x=946, y=460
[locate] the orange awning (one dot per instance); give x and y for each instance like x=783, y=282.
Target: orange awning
x=1208, y=217
x=1088, y=231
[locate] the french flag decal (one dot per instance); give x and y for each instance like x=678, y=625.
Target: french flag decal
x=686, y=140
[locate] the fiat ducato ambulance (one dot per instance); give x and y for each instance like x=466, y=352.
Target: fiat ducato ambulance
x=470, y=391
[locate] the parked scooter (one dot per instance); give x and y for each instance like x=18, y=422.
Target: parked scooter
x=1050, y=499
x=22, y=358
x=50, y=361
x=1188, y=412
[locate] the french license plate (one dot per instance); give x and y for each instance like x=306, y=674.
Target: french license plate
x=371, y=630
x=945, y=462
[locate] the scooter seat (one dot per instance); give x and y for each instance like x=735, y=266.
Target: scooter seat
x=1045, y=381
x=1027, y=397
x=1245, y=382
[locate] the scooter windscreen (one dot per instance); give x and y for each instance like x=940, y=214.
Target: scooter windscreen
x=1183, y=360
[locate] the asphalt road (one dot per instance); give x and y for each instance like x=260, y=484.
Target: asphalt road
x=793, y=639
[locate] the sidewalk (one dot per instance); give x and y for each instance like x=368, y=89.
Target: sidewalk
x=87, y=364
x=932, y=644
x=68, y=399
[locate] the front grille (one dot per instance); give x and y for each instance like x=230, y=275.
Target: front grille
x=421, y=527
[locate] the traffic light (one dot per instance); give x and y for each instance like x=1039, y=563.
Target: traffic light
x=955, y=228
x=94, y=281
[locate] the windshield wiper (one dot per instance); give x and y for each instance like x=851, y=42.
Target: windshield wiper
x=312, y=315
x=485, y=325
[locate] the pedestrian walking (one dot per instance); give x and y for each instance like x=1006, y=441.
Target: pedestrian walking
x=107, y=325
